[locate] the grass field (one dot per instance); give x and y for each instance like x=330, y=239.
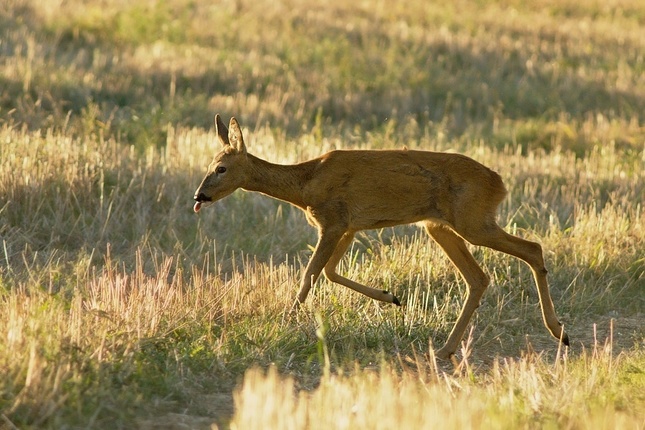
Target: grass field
x=121, y=308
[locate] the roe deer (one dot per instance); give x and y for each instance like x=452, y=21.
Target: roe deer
x=342, y=192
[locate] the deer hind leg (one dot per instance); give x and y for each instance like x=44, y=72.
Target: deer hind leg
x=492, y=236
x=476, y=279
x=333, y=276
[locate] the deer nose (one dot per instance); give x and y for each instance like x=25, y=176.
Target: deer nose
x=201, y=197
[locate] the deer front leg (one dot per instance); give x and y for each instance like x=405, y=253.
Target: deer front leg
x=327, y=241
x=330, y=273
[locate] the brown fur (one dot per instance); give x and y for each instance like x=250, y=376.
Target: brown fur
x=342, y=192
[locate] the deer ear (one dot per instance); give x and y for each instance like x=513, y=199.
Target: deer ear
x=235, y=136
x=221, y=130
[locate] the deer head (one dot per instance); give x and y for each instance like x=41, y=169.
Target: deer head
x=227, y=171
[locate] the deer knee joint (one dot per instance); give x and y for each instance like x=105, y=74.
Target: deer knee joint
x=330, y=274
x=485, y=281
x=540, y=269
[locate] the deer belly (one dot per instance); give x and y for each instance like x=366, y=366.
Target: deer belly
x=379, y=215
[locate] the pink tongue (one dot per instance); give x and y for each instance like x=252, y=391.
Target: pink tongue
x=197, y=207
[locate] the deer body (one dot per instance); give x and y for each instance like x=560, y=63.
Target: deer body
x=342, y=192
x=374, y=189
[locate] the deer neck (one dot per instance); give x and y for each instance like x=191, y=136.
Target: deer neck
x=283, y=182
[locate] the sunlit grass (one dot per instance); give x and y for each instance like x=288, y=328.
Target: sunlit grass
x=523, y=393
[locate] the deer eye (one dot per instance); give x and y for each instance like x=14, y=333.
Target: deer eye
x=221, y=169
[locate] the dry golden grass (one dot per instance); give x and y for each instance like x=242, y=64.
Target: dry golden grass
x=527, y=393
x=120, y=308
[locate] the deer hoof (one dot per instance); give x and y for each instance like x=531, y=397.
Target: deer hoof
x=444, y=354
x=395, y=299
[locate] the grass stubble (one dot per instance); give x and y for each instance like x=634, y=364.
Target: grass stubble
x=119, y=307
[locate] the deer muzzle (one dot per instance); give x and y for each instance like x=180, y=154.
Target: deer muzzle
x=200, y=199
